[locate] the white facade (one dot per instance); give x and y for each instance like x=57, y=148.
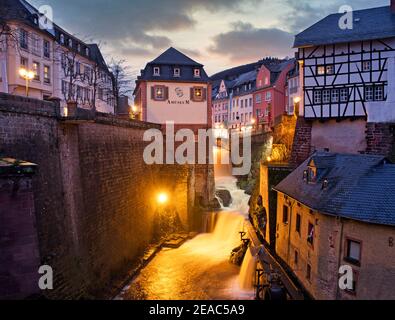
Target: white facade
x=177, y=104
x=41, y=54
x=349, y=80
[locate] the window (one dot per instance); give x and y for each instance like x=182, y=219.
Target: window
x=326, y=96
x=298, y=222
x=308, y=272
x=258, y=98
x=47, y=75
x=310, y=234
x=79, y=47
x=369, y=93
x=35, y=40
x=78, y=67
x=353, y=251
x=101, y=94
x=198, y=94
x=87, y=52
x=23, y=39
x=196, y=73
x=335, y=95
x=268, y=96
x=156, y=71
x=36, y=70
x=70, y=43
x=242, y=104
x=159, y=93
x=320, y=70
x=344, y=95
x=296, y=259
x=24, y=62
x=64, y=87
x=330, y=70
x=379, y=93
x=62, y=39
x=317, y=97
x=47, y=49
x=177, y=72
x=285, y=214
x=250, y=102
x=366, y=66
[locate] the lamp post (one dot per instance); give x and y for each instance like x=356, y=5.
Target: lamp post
x=28, y=76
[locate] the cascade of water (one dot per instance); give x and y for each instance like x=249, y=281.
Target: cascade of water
x=247, y=272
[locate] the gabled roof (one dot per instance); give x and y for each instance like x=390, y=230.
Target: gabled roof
x=360, y=187
x=368, y=24
x=174, y=57
x=167, y=61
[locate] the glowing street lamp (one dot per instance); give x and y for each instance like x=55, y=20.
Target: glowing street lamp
x=28, y=76
x=162, y=198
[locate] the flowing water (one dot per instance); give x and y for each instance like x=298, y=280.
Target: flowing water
x=200, y=269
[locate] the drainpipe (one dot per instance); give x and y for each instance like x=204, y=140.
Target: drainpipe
x=340, y=256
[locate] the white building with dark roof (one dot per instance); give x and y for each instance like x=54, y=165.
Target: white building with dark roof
x=348, y=78
x=64, y=66
x=174, y=88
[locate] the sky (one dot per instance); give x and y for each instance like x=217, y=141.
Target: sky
x=217, y=33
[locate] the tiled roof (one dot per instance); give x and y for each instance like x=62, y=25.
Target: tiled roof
x=167, y=61
x=174, y=57
x=360, y=187
x=368, y=24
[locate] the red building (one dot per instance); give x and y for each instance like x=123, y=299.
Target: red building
x=269, y=97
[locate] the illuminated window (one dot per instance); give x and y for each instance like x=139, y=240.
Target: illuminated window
x=159, y=93
x=36, y=70
x=47, y=75
x=321, y=70
x=197, y=94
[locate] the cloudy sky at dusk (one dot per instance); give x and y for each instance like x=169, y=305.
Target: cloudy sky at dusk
x=217, y=33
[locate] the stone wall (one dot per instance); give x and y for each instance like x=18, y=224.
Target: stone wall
x=95, y=197
x=301, y=148
x=380, y=139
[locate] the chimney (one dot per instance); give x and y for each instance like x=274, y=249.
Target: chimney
x=392, y=6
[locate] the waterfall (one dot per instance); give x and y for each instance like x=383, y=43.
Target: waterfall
x=247, y=272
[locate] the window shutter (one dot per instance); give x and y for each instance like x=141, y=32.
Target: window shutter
x=204, y=93
x=166, y=93
x=153, y=93
x=192, y=94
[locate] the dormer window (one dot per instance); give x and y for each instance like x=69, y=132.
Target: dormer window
x=70, y=43
x=79, y=47
x=87, y=52
x=312, y=174
x=62, y=39
x=156, y=71
x=177, y=72
x=196, y=73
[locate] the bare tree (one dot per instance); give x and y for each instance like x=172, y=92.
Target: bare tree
x=95, y=80
x=122, y=79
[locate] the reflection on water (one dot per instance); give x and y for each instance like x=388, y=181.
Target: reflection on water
x=199, y=269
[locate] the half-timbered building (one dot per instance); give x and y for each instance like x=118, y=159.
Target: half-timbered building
x=349, y=73
x=348, y=79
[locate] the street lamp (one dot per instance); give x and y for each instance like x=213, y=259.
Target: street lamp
x=28, y=76
x=162, y=198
